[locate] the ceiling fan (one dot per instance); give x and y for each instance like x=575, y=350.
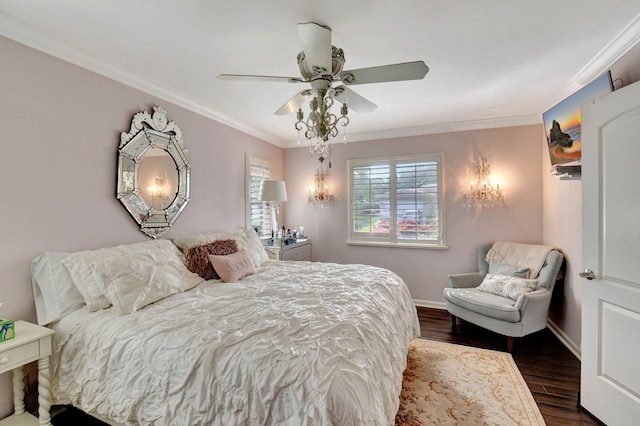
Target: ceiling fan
x=321, y=65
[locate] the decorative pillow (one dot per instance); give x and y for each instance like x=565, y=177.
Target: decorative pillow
x=54, y=292
x=197, y=257
x=234, y=266
x=249, y=241
x=497, y=268
x=84, y=270
x=507, y=286
x=134, y=281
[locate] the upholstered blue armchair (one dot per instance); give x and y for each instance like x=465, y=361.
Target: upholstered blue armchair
x=511, y=292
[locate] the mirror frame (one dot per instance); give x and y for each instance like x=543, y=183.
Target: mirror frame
x=151, y=131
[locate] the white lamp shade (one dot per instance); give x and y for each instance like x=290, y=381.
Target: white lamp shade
x=273, y=190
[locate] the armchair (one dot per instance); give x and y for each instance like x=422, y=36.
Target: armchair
x=525, y=314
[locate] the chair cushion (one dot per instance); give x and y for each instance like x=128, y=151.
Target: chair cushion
x=487, y=304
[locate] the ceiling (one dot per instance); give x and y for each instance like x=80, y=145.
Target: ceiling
x=492, y=63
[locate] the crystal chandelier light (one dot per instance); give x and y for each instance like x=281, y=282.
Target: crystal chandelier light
x=319, y=195
x=321, y=124
x=483, y=193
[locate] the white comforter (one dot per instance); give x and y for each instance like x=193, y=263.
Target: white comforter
x=297, y=343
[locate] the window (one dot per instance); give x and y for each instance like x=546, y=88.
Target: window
x=397, y=201
x=258, y=215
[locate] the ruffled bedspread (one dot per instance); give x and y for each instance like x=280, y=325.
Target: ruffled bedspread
x=297, y=343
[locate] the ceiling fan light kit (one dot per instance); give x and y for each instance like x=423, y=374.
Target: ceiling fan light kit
x=321, y=65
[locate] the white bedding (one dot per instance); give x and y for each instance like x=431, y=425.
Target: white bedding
x=297, y=343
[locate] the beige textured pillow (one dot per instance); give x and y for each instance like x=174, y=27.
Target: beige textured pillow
x=197, y=257
x=185, y=243
x=249, y=241
x=232, y=267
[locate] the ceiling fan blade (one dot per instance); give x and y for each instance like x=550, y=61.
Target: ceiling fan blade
x=294, y=103
x=394, y=72
x=316, y=44
x=354, y=101
x=243, y=77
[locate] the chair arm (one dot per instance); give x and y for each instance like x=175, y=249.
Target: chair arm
x=534, y=307
x=468, y=280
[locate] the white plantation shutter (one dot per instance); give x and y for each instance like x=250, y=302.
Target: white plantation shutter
x=258, y=215
x=397, y=200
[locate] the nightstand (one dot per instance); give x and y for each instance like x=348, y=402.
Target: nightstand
x=300, y=250
x=32, y=342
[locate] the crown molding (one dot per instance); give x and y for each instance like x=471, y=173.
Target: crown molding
x=25, y=35
x=613, y=51
x=459, y=126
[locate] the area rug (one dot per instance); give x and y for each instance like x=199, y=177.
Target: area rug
x=448, y=384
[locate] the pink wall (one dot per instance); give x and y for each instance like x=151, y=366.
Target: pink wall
x=515, y=157
x=563, y=228
x=61, y=129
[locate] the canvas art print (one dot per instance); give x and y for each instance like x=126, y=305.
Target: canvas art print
x=563, y=125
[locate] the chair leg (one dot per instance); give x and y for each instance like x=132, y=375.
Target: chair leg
x=454, y=323
x=510, y=344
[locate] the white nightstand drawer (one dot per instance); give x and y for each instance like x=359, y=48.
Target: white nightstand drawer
x=19, y=356
x=302, y=252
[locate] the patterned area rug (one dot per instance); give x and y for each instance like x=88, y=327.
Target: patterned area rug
x=447, y=384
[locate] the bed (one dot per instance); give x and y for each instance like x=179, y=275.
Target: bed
x=291, y=343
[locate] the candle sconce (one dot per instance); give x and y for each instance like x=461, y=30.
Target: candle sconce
x=483, y=192
x=319, y=195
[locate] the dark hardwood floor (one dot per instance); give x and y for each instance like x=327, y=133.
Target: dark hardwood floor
x=551, y=371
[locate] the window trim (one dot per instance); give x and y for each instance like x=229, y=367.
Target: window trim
x=392, y=240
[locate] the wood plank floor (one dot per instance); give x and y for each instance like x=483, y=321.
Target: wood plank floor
x=551, y=371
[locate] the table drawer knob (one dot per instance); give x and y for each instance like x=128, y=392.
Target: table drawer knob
x=4, y=360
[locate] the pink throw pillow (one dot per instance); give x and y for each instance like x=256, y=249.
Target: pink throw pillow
x=232, y=267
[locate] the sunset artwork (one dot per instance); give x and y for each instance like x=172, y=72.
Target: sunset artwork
x=563, y=125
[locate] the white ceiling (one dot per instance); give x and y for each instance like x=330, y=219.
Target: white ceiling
x=492, y=63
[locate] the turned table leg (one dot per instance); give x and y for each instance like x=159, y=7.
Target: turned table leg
x=44, y=392
x=18, y=390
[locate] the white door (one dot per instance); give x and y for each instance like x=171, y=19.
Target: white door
x=610, y=377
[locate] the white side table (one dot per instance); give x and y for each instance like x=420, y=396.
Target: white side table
x=300, y=250
x=32, y=342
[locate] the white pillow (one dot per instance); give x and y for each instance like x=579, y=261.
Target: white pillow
x=84, y=268
x=134, y=281
x=507, y=286
x=205, y=238
x=54, y=292
x=249, y=241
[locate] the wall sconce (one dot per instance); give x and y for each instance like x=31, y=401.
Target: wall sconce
x=157, y=190
x=483, y=193
x=319, y=195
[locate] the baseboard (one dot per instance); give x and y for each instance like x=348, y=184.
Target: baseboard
x=429, y=304
x=564, y=339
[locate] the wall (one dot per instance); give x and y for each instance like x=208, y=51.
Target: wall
x=562, y=219
x=515, y=157
x=61, y=130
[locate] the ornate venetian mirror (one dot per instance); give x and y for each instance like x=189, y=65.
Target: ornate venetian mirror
x=154, y=174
